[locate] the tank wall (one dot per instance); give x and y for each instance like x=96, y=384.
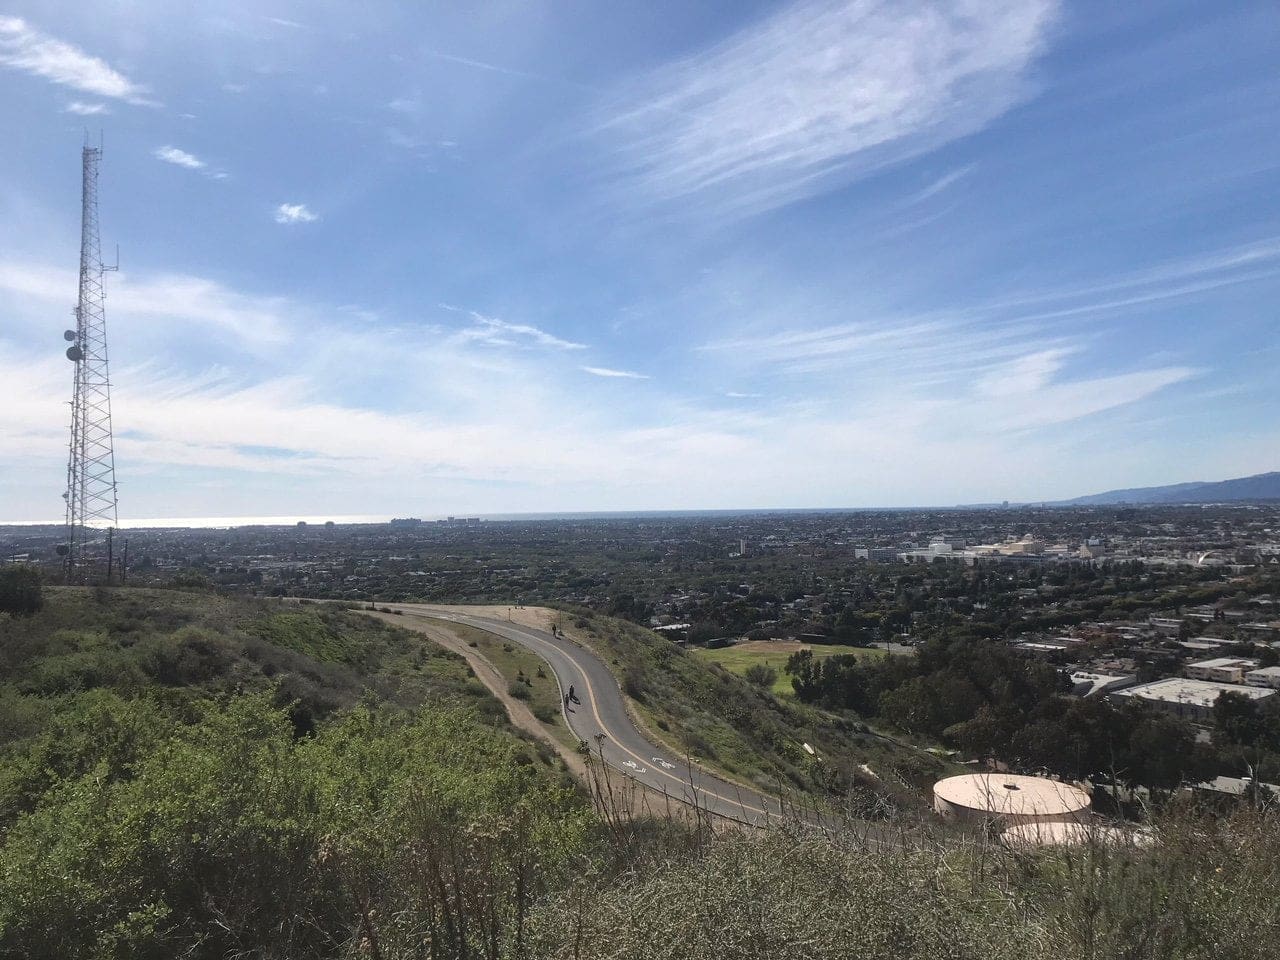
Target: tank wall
x=962, y=814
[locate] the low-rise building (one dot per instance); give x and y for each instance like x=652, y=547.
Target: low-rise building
x=876, y=554
x=1192, y=699
x=1221, y=669
x=1264, y=677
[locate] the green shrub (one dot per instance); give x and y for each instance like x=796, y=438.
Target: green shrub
x=20, y=591
x=225, y=836
x=545, y=714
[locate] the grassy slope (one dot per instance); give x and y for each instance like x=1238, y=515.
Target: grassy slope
x=181, y=647
x=523, y=670
x=1206, y=891
x=737, y=659
x=132, y=639
x=712, y=714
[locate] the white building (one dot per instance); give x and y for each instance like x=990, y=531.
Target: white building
x=1193, y=699
x=876, y=554
x=1221, y=669
x=1265, y=677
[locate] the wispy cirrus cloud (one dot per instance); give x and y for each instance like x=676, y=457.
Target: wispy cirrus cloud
x=1039, y=329
x=940, y=184
x=497, y=332
x=295, y=213
x=609, y=372
x=820, y=93
x=255, y=321
x=23, y=47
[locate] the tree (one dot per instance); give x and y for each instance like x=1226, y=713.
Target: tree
x=1237, y=718
x=762, y=675
x=1074, y=738
x=20, y=591
x=804, y=677
x=1162, y=752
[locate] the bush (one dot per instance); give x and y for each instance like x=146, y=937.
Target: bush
x=762, y=675
x=226, y=836
x=545, y=714
x=1204, y=891
x=519, y=690
x=20, y=591
x=635, y=683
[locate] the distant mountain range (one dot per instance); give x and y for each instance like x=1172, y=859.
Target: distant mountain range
x=1263, y=486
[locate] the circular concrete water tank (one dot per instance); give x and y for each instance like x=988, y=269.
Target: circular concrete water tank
x=1009, y=798
x=1056, y=833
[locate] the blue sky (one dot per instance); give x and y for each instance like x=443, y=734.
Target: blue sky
x=531, y=256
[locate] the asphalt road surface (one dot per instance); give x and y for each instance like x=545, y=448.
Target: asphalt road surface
x=601, y=710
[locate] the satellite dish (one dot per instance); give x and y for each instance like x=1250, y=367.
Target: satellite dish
x=68, y=335
x=75, y=354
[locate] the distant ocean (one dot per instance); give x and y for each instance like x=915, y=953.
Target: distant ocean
x=212, y=523
x=216, y=523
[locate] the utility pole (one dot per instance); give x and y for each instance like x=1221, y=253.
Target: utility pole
x=91, y=464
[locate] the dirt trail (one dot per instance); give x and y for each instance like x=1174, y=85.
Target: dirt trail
x=519, y=714
x=613, y=794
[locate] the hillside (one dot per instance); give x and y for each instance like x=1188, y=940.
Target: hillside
x=183, y=774
x=706, y=711
x=1262, y=486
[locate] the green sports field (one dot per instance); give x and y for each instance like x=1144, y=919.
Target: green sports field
x=774, y=653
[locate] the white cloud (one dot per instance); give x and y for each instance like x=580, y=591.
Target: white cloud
x=501, y=333
x=252, y=320
x=821, y=92
x=83, y=109
x=941, y=184
x=179, y=158
x=1040, y=403
x=619, y=374
x=25, y=48
x=1016, y=339
x=1025, y=374
x=294, y=213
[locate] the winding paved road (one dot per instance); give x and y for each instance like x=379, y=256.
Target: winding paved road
x=602, y=710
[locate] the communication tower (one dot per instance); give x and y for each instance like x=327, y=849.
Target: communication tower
x=91, y=464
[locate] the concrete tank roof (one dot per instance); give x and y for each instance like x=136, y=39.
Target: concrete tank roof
x=1009, y=795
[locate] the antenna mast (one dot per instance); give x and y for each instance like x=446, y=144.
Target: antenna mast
x=91, y=464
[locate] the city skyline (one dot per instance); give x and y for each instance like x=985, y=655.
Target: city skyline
x=759, y=255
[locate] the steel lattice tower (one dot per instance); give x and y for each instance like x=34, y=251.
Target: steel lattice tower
x=91, y=467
